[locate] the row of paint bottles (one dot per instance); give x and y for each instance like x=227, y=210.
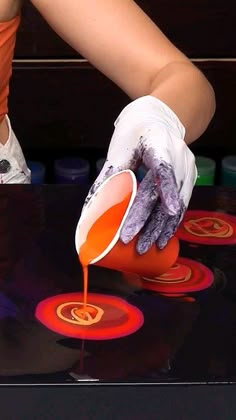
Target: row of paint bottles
x=77, y=171
x=66, y=171
x=207, y=171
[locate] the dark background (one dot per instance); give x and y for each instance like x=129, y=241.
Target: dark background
x=68, y=107
x=60, y=105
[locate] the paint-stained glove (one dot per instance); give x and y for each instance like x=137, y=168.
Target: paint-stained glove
x=13, y=167
x=147, y=131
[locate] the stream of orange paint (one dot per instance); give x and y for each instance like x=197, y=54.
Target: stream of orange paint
x=99, y=237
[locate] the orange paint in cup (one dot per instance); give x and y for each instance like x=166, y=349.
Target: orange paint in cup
x=97, y=234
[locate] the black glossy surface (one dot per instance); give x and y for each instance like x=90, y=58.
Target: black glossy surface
x=180, y=341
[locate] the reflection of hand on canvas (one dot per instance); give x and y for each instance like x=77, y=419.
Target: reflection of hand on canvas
x=148, y=131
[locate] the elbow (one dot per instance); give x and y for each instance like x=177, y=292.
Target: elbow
x=210, y=102
x=186, y=90
x=205, y=107
x=202, y=107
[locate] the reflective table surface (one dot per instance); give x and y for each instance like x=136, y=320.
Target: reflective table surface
x=183, y=340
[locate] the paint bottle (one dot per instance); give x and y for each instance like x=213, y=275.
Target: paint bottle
x=228, y=171
x=206, y=170
x=71, y=171
x=37, y=171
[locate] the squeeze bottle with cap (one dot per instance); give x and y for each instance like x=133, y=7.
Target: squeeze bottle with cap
x=228, y=171
x=206, y=170
x=71, y=171
x=38, y=171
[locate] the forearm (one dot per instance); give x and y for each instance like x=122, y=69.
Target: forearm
x=188, y=93
x=121, y=41
x=3, y=131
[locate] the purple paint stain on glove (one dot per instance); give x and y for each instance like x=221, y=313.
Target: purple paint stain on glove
x=110, y=171
x=168, y=189
x=157, y=208
x=166, y=182
x=141, y=209
x=170, y=228
x=152, y=230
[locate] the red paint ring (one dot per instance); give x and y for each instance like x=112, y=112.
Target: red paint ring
x=201, y=277
x=128, y=318
x=204, y=226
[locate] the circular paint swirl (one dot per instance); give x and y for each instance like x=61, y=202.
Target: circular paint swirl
x=185, y=276
x=179, y=273
x=75, y=313
x=105, y=317
x=207, y=228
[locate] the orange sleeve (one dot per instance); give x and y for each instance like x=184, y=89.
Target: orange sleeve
x=7, y=44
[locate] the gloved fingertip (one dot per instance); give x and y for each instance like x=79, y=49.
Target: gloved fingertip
x=143, y=246
x=161, y=244
x=130, y=229
x=125, y=239
x=141, y=250
x=126, y=235
x=173, y=208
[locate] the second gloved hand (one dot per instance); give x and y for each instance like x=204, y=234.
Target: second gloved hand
x=147, y=131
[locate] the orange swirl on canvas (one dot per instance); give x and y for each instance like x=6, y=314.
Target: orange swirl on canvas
x=79, y=315
x=209, y=227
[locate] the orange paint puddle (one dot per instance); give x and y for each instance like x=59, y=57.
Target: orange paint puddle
x=118, y=318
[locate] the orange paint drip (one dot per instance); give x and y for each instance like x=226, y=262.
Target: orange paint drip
x=89, y=309
x=85, y=278
x=99, y=237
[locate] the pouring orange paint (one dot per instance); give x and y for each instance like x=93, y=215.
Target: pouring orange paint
x=100, y=236
x=97, y=234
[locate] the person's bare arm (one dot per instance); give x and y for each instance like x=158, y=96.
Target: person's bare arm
x=118, y=38
x=8, y=10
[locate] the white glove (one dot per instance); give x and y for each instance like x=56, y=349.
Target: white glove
x=13, y=168
x=147, y=131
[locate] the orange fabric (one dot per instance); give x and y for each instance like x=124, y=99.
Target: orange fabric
x=7, y=45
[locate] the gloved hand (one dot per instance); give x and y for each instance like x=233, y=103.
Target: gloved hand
x=13, y=168
x=147, y=131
